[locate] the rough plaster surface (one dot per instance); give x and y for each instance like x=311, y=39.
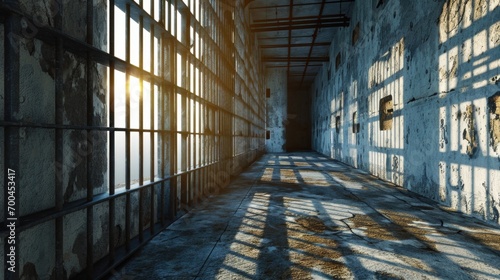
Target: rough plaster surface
x=36, y=251
x=440, y=62
x=276, y=105
x=36, y=152
x=36, y=177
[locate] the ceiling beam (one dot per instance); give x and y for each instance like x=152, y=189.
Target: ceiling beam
x=302, y=4
x=309, y=26
x=296, y=59
x=333, y=16
x=312, y=46
x=294, y=22
x=292, y=66
x=324, y=44
x=301, y=74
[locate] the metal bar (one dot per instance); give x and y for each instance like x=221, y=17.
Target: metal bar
x=313, y=40
x=310, y=26
x=293, y=22
x=294, y=45
x=291, y=66
x=90, y=116
x=299, y=18
x=127, y=133
x=141, y=127
x=296, y=59
x=300, y=75
x=59, y=189
x=162, y=122
x=152, y=125
x=282, y=37
x=111, y=187
x=173, y=125
x=301, y=4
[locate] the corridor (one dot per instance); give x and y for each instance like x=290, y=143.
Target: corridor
x=303, y=216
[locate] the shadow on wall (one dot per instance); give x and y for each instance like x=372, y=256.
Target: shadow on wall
x=469, y=154
x=423, y=113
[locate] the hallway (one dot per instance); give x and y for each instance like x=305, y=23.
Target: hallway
x=303, y=216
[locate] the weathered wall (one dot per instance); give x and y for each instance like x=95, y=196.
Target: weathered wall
x=85, y=161
x=276, y=105
x=36, y=176
x=439, y=63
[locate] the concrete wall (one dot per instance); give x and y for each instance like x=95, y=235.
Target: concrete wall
x=439, y=62
x=36, y=176
x=276, y=105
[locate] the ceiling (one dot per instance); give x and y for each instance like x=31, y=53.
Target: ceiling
x=296, y=34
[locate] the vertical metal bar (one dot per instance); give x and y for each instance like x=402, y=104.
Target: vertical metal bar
x=111, y=220
x=152, y=5
x=127, y=133
x=161, y=7
x=12, y=30
x=172, y=152
x=90, y=116
x=59, y=191
x=162, y=122
x=152, y=122
x=174, y=127
x=141, y=127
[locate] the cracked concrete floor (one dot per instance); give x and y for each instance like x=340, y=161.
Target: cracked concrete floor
x=302, y=216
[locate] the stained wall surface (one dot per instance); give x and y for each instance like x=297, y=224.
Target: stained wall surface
x=276, y=106
x=413, y=99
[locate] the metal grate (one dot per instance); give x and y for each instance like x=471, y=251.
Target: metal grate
x=153, y=105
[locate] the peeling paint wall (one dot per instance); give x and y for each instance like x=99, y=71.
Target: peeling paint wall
x=37, y=165
x=276, y=105
x=439, y=62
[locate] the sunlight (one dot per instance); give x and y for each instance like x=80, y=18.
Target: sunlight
x=288, y=176
x=268, y=175
x=249, y=239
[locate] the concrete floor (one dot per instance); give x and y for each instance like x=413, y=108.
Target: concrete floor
x=302, y=216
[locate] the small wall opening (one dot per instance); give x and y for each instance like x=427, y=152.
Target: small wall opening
x=355, y=34
x=355, y=124
x=494, y=106
x=337, y=61
x=268, y=92
x=385, y=113
x=268, y=135
x=337, y=124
